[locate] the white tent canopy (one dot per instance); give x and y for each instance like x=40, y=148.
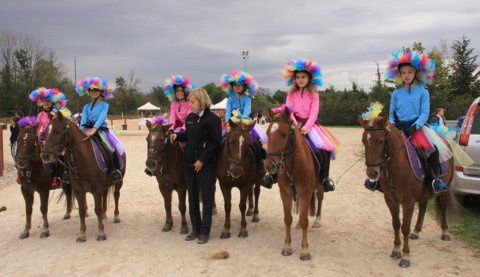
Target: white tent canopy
x=222, y=105
x=148, y=107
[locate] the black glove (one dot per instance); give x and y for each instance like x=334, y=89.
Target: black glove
x=410, y=130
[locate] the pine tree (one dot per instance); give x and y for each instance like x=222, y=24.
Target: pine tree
x=464, y=76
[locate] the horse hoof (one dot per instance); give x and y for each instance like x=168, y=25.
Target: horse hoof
x=316, y=225
x=255, y=218
x=167, y=228
x=225, y=235
x=45, y=234
x=305, y=257
x=404, y=263
x=116, y=220
x=446, y=237
x=214, y=211
x=66, y=216
x=24, y=235
x=249, y=213
x=81, y=239
x=243, y=234
x=287, y=252
x=184, y=230
x=101, y=237
x=396, y=255
x=413, y=236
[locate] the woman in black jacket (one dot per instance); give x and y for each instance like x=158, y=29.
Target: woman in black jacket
x=202, y=136
x=14, y=130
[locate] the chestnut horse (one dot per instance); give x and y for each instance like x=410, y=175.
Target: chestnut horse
x=33, y=177
x=289, y=155
x=387, y=162
x=164, y=160
x=65, y=136
x=236, y=168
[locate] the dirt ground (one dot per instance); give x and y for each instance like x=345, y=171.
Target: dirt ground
x=356, y=237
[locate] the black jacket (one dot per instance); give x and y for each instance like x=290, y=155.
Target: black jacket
x=202, y=137
x=14, y=130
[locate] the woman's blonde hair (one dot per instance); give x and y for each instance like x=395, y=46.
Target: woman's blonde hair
x=202, y=97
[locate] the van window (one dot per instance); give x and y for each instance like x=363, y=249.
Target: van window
x=476, y=123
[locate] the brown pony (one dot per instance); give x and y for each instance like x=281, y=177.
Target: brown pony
x=85, y=176
x=164, y=160
x=387, y=162
x=289, y=155
x=33, y=177
x=236, y=168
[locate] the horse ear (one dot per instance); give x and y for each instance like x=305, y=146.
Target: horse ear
x=251, y=125
x=149, y=124
x=60, y=116
x=361, y=121
x=384, y=122
x=270, y=114
x=286, y=114
x=165, y=128
x=232, y=124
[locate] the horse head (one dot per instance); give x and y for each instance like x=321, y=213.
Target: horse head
x=238, y=145
x=27, y=143
x=375, y=139
x=55, y=141
x=157, y=142
x=280, y=134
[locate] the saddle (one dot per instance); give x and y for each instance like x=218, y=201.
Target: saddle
x=103, y=156
x=418, y=164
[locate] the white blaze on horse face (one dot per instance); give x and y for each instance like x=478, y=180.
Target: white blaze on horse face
x=49, y=129
x=368, y=139
x=240, y=141
x=274, y=128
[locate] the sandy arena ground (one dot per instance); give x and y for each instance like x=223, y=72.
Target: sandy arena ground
x=356, y=237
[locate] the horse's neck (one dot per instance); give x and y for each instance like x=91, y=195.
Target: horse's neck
x=298, y=148
x=396, y=143
x=81, y=148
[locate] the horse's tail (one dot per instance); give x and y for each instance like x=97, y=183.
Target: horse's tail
x=313, y=205
x=60, y=196
x=453, y=207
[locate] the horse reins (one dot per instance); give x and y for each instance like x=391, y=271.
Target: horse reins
x=386, y=155
x=232, y=160
x=284, y=155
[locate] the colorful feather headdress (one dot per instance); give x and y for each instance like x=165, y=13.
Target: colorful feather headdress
x=104, y=86
x=239, y=78
x=373, y=111
x=302, y=65
x=52, y=94
x=177, y=80
x=424, y=65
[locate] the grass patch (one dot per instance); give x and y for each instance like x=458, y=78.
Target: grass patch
x=467, y=226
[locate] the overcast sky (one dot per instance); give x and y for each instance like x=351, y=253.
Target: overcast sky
x=205, y=38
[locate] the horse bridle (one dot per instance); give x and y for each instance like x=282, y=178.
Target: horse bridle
x=232, y=160
x=285, y=154
x=386, y=155
x=29, y=158
x=160, y=157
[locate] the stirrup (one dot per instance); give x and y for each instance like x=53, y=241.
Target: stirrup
x=269, y=180
x=328, y=185
x=117, y=176
x=438, y=186
x=372, y=185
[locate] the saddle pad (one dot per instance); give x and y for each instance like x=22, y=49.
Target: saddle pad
x=101, y=163
x=416, y=164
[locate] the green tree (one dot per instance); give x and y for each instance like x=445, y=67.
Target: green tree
x=464, y=76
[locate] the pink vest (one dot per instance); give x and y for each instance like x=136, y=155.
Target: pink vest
x=178, y=113
x=305, y=106
x=43, y=121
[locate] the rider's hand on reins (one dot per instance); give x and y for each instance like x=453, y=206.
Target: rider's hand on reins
x=304, y=131
x=90, y=133
x=173, y=137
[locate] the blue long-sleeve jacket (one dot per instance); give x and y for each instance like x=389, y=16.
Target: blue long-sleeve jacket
x=243, y=104
x=408, y=106
x=96, y=116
